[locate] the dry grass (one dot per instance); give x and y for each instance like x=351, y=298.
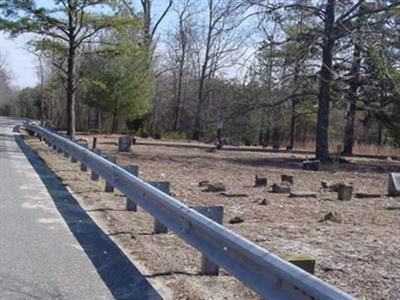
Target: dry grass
x=358, y=149
x=360, y=255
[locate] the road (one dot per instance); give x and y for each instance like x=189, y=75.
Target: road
x=49, y=247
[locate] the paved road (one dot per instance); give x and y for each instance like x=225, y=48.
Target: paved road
x=49, y=247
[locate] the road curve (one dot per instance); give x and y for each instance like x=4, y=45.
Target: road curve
x=49, y=247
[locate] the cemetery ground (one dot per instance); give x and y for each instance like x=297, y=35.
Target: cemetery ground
x=358, y=251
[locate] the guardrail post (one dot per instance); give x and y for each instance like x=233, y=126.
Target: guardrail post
x=66, y=154
x=54, y=147
x=83, y=166
x=94, y=176
x=130, y=203
x=73, y=159
x=165, y=187
x=59, y=150
x=215, y=213
x=108, y=187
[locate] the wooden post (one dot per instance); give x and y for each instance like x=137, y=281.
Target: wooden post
x=215, y=213
x=109, y=188
x=94, y=144
x=130, y=203
x=94, y=176
x=165, y=187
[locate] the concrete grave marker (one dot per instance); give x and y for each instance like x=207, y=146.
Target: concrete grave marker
x=124, y=143
x=394, y=184
x=261, y=181
x=311, y=165
x=287, y=178
x=345, y=192
x=305, y=262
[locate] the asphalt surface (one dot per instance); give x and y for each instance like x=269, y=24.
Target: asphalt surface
x=49, y=246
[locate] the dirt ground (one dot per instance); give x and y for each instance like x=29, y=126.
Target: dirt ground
x=361, y=255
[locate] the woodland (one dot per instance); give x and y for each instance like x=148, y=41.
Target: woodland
x=280, y=74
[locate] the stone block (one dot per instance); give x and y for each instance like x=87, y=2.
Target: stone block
x=345, y=192
x=303, y=194
x=332, y=216
x=305, y=262
x=311, y=165
x=287, y=178
x=215, y=187
x=261, y=181
x=281, y=188
x=394, y=184
x=124, y=143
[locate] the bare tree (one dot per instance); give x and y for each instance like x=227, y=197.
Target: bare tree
x=224, y=18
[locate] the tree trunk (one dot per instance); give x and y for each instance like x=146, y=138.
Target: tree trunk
x=322, y=146
x=203, y=76
x=115, y=123
x=293, y=117
x=71, y=80
x=292, y=124
x=348, y=139
x=197, y=120
x=70, y=90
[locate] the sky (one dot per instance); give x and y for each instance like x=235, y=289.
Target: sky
x=20, y=62
x=23, y=65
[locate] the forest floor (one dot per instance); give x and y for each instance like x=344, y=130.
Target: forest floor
x=359, y=255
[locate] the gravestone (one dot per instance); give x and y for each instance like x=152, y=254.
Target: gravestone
x=303, y=194
x=345, y=192
x=261, y=181
x=124, y=143
x=311, y=165
x=282, y=188
x=394, y=184
x=287, y=178
x=305, y=262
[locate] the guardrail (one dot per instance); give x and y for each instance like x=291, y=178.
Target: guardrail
x=262, y=271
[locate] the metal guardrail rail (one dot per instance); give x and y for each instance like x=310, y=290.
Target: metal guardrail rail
x=262, y=271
